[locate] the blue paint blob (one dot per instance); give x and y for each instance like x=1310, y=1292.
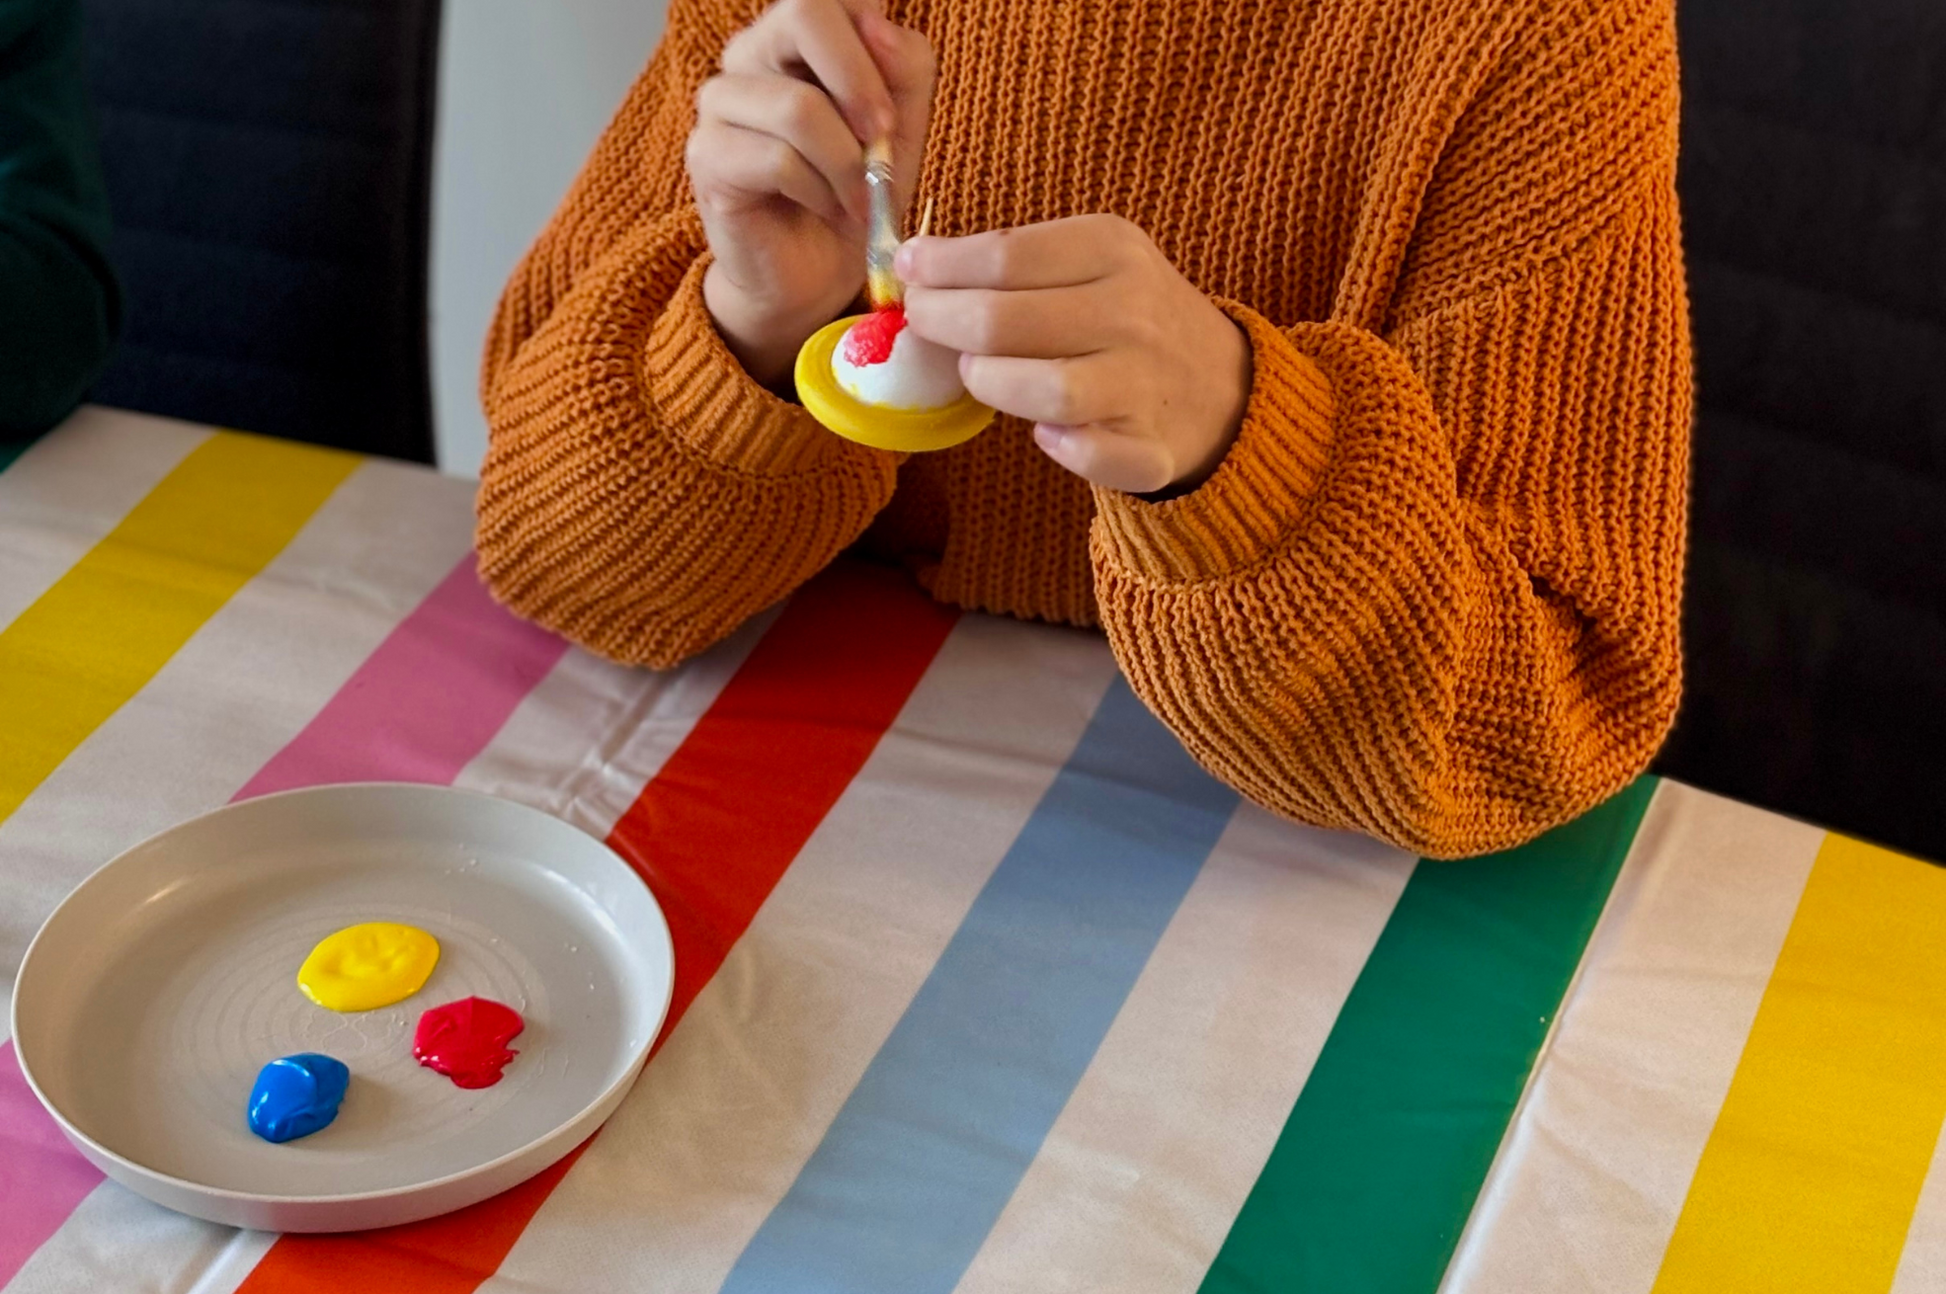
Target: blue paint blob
x=297, y=1095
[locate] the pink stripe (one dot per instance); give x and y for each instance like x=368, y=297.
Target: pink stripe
x=419, y=709
x=42, y=1177
x=427, y=701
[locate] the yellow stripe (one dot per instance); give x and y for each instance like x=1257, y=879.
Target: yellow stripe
x=1810, y=1176
x=91, y=641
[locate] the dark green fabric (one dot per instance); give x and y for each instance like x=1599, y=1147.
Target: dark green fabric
x=59, y=306
x=1386, y=1149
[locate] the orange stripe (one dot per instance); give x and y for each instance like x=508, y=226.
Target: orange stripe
x=711, y=833
x=456, y=1252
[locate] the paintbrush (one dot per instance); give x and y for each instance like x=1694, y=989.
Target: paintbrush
x=882, y=286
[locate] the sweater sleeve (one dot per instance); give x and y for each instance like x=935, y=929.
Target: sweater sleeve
x=1433, y=591
x=58, y=299
x=641, y=493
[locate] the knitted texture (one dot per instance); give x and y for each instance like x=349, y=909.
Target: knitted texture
x=1432, y=593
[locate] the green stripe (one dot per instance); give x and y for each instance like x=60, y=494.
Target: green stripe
x=1390, y=1140
x=10, y=450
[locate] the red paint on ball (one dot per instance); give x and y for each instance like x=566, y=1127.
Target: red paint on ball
x=869, y=341
x=467, y=1040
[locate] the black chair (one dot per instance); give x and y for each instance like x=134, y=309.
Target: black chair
x=269, y=171
x=1813, y=182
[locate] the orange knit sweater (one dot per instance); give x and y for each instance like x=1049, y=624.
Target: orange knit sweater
x=1432, y=593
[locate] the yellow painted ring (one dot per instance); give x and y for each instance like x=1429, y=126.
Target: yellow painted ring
x=908, y=431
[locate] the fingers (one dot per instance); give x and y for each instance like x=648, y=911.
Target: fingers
x=904, y=56
x=1077, y=406
x=1069, y=392
x=1036, y=323
x=794, y=112
x=820, y=39
x=1134, y=465
x=1056, y=253
x=826, y=76
x=728, y=164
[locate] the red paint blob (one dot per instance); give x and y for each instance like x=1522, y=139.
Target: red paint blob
x=467, y=1040
x=869, y=341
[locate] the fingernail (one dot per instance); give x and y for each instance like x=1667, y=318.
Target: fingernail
x=904, y=260
x=1047, y=436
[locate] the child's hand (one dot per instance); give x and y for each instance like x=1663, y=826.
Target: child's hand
x=1134, y=379
x=776, y=162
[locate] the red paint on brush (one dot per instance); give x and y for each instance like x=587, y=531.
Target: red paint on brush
x=869, y=341
x=467, y=1040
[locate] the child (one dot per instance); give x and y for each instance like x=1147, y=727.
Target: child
x=1341, y=348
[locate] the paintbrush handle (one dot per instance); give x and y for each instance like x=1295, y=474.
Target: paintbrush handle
x=882, y=240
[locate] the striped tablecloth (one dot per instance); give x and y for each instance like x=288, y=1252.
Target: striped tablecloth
x=982, y=985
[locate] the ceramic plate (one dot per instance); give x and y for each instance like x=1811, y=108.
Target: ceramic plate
x=157, y=990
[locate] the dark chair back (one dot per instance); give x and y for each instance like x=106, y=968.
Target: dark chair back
x=269, y=170
x=1813, y=183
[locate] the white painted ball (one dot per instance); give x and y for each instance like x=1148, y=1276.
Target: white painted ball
x=918, y=374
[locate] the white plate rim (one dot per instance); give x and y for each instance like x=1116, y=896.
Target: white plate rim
x=609, y=1097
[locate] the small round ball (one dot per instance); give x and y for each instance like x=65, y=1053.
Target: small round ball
x=918, y=374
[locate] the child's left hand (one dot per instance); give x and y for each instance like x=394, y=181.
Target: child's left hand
x=1132, y=377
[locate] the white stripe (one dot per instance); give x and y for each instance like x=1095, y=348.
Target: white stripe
x=119, y=1243
x=1146, y=1167
x=584, y=743
x=239, y=689
x=73, y=487
x=1593, y=1174
x=234, y=1263
x=1922, y=1267
x=727, y=1113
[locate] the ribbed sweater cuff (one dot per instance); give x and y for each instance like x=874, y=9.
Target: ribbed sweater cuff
x=1259, y=492
x=702, y=394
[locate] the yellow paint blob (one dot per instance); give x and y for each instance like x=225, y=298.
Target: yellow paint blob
x=364, y=967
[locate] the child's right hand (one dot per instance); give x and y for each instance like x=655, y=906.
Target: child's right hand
x=776, y=162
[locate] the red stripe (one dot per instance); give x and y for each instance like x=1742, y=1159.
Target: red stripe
x=712, y=833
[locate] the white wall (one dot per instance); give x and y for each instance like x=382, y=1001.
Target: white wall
x=525, y=86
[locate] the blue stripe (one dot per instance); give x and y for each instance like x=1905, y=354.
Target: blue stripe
x=918, y=1164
